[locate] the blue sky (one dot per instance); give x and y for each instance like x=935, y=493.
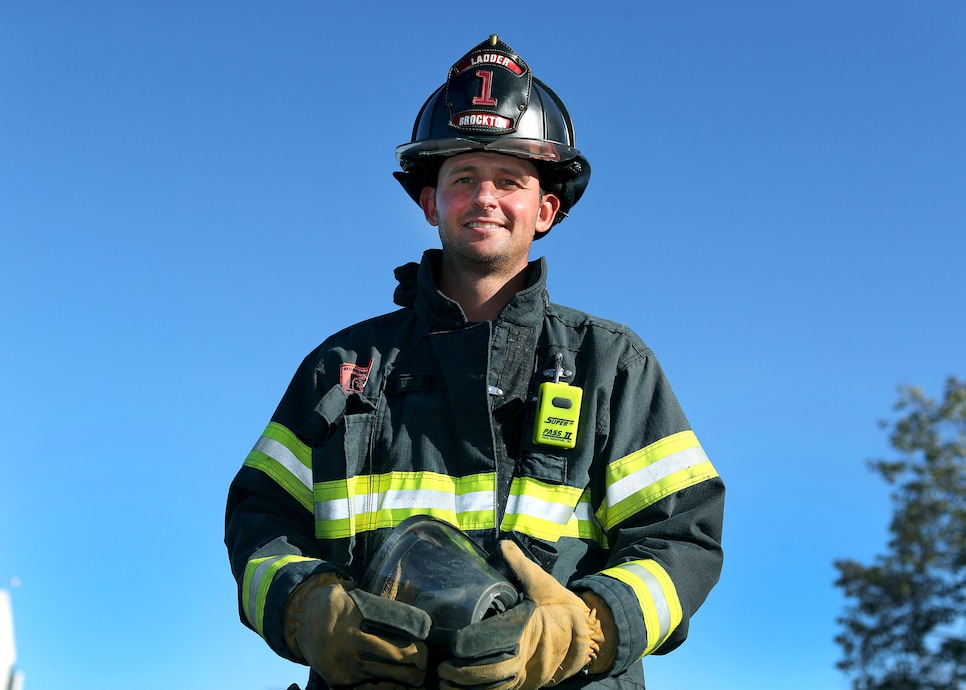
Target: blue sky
x=193, y=195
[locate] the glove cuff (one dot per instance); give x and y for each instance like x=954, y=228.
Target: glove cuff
x=584, y=646
x=604, y=636
x=296, y=606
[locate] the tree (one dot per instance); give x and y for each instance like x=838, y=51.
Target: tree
x=904, y=627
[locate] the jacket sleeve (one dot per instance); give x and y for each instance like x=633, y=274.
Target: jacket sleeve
x=660, y=502
x=269, y=521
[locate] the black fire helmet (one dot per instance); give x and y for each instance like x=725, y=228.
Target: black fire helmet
x=492, y=102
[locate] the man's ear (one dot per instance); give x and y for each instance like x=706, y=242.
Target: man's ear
x=427, y=202
x=549, y=206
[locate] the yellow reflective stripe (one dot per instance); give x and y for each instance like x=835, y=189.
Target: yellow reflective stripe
x=346, y=507
x=657, y=596
x=542, y=510
x=644, y=477
x=285, y=459
x=587, y=525
x=259, y=574
x=581, y=524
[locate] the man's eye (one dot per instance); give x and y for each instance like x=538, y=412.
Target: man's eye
x=510, y=183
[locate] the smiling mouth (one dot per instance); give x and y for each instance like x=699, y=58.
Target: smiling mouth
x=480, y=225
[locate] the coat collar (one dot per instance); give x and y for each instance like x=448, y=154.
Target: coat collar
x=418, y=288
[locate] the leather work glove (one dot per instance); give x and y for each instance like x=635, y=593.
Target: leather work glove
x=350, y=637
x=550, y=636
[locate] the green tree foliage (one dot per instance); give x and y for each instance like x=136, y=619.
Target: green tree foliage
x=904, y=627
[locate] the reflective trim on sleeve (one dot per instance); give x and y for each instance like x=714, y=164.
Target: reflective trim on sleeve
x=587, y=525
x=259, y=574
x=549, y=511
x=644, y=477
x=285, y=459
x=657, y=596
x=344, y=508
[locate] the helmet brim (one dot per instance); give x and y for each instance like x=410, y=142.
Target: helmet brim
x=534, y=149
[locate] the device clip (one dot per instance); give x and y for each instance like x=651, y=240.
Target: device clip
x=558, y=369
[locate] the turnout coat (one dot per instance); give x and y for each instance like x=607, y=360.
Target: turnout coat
x=419, y=412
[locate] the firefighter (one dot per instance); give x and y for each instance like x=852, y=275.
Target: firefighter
x=549, y=436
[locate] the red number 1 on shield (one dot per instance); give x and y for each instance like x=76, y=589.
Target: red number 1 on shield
x=486, y=77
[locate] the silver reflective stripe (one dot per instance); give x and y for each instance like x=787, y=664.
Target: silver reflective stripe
x=661, y=606
x=584, y=512
x=427, y=498
x=544, y=510
x=286, y=458
x=654, y=473
x=410, y=499
x=253, y=588
x=333, y=510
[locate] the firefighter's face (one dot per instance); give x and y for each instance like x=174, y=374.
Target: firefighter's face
x=488, y=208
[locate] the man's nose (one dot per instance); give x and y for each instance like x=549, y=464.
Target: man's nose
x=485, y=194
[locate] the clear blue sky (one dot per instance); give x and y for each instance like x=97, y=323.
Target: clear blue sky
x=193, y=195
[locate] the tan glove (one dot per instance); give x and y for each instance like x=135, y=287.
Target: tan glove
x=550, y=636
x=349, y=636
x=607, y=653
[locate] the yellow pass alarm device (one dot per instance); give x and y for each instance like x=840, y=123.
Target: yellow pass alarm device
x=558, y=412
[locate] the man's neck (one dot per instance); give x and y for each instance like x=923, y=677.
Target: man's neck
x=481, y=297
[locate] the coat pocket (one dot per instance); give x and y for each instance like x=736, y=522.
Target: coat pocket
x=543, y=466
x=359, y=421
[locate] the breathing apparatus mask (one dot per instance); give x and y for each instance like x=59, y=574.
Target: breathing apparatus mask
x=436, y=567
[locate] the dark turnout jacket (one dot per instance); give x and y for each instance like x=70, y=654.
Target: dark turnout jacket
x=419, y=412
